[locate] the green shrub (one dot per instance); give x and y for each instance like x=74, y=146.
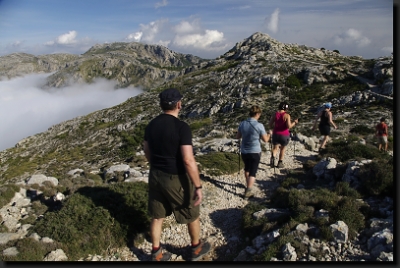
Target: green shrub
x=325, y=199
x=326, y=233
x=131, y=140
x=198, y=124
x=343, y=150
x=82, y=227
x=48, y=188
x=339, y=120
x=7, y=192
x=29, y=250
x=280, y=198
x=275, y=248
x=362, y=130
x=377, y=178
x=347, y=211
x=94, y=219
x=220, y=163
x=293, y=82
x=251, y=227
x=68, y=185
x=96, y=178
x=303, y=213
x=347, y=86
x=290, y=181
x=38, y=207
x=344, y=189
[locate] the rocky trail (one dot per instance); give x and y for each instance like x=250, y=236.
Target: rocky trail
x=221, y=221
x=221, y=210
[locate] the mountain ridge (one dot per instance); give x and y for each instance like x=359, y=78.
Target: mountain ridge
x=216, y=94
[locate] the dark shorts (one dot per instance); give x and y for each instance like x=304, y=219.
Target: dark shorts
x=283, y=140
x=172, y=193
x=324, y=129
x=251, y=162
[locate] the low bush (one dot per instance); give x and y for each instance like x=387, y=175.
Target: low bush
x=344, y=189
x=275, y=248
x=29, y=250
x=198, y=124
x=220, y=163
x=348, y=211
x=7, y=192
x=362, y=130
x=96, y=218
x=290, y=181
x=377, y=178
x=131, y=140
x=251, y=227
x=344, y=150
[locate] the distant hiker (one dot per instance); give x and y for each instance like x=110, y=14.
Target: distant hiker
x=251, y=131
x=382, y=134
x=325, y=117
x=280, y=122
x=174, y=180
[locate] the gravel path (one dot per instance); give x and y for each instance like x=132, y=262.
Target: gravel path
x=221, y=209
x=221, y=212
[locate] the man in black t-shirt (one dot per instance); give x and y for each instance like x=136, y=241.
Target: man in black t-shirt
x=174, y=180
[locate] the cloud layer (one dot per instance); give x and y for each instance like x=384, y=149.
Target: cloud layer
x=185, y=35
x=26, y=109
x=351, y=36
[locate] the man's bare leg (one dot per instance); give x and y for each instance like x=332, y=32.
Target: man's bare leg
x=194, y=231
x=155, y=231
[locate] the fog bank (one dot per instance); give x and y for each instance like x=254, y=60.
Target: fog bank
x=26, y=109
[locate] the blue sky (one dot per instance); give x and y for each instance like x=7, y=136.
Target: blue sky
x=206, y=28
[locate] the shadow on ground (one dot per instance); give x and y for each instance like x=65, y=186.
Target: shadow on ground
x=226, y=220
x=221, y=184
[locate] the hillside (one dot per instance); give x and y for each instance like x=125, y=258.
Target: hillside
x=129, y=64
x=217, y=94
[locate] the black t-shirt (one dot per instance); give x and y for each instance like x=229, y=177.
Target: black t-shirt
x=164, y=135
x=324, y=119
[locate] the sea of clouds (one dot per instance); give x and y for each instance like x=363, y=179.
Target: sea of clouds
x=26, y=109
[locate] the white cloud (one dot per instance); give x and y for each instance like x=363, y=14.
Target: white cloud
x=185, y=27
x=210, y=39
x=272, y=22
x=26, y=109
x=64, y=39
x=135, y=36
x=351, y=36
x=163, y=3
x=186, y=35
x=191, y=34
x=148, y=32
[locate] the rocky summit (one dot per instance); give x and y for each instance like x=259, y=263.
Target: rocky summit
x=105, y=146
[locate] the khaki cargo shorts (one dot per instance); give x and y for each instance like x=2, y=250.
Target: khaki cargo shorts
x=382, y=139
x=172, y=193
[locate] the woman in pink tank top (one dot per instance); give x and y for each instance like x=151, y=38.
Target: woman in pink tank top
x=281, y=123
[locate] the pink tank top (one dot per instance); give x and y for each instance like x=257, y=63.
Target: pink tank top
x=280, y=127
